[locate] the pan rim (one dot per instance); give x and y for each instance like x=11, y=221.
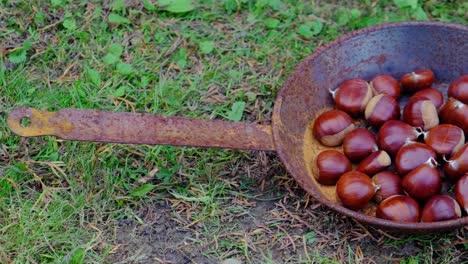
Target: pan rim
x=283, y=154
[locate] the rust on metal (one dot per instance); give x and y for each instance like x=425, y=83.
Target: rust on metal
x=137, y=128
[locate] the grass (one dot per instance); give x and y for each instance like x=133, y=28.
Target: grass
x=70, y=202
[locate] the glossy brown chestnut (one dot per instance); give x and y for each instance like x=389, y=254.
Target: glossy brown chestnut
x=461, y=192
x=380, y=109
x=393, y=134
x=331, y=164
x=458, y=89
x=445, y=139
x=385, y=84
x=420, y=112
x=457, y=165
x=423, y=182
x=377, y=161
x=412, y=155
x=355, y=189
x=352, y=96
x=440, y=208
x=447, y=110
x=359, y=144
x=456, y=113
x=331, y=127
x=432, y=94
x=417, y=80
x=388, y=184
x=400, y=208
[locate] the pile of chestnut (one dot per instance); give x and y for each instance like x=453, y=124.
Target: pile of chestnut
x=413, y=162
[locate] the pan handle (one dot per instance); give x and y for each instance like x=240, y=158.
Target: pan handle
x=138, y=128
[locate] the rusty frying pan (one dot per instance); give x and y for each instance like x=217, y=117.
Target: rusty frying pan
x=390, y=48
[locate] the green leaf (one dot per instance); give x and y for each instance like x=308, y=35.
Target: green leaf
x=148, y=5
x=18, y=56
x=420, y=14
x=110, y=59
x=164, y=174
x=94, y=76
x=27, y=44
x=69, y=23
x=237, y=110
x=56, y=3
x=118, y=19
x=406, y=3
x=77, y=257
x=271, y=23
x=310, y=29
x=355, y=13
x=343, y=18
x=144, y=82
x=206, y=46
x=124, y=68
x=116, y=49
x=118, y=5
x=120, y=91
x=39, y=18
x=310, y=237
x=142, y=190
x=176, y=6
x=230, y=6
x=275, y=4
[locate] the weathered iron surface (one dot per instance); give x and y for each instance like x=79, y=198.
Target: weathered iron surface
x=391, y=48
x=136, y=128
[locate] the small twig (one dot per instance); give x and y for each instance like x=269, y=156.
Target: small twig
x=290, y=238
x=173, y=47
x=387, y=235
x=294, y=216
x=306, y=252
x=366, y=230
x=51, y=25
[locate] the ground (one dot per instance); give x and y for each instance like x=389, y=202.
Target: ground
x=81, y=202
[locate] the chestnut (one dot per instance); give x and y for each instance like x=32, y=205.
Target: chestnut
x=358, y=144
x=385, y=84
x=331, y=164
x=412, y=155
x=423, y=182
x=400, y=208
x=445, y=139
x=388, y=184
x=417, y=80
x=457, y=165
x=420, y=112
x=377, y=161
x=461, y=192
x=393, y=134
x=458, y=89
x=447, y=110
x=440, y=208
x=432, y=94
x=331, y=127
x=456, y=113
x=355, y=189
x=352, y=96
x=380, y=109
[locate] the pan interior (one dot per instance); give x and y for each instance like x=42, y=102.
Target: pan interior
x=392, y=49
